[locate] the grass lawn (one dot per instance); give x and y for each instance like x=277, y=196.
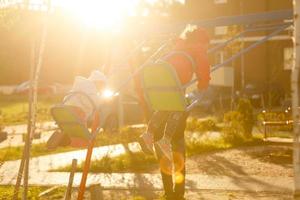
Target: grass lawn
x=126, y=136
x=140, y=162
x=14, y=108
x=6, y=193
x=58, y=193
x=15, y=153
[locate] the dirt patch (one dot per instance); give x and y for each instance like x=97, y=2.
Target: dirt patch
x=269, y=160
x=196, y=195
x=190, y=195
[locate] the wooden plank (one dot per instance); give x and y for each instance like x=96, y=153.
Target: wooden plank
x=71, y=178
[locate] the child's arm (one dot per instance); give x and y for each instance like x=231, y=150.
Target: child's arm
x=203, y=70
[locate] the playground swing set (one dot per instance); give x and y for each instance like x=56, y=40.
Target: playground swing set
x=160, y=82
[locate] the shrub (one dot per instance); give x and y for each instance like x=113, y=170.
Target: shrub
x=239, y=123
x=194, y=124
x=233, y=129
x=247, y=121
x=207, y=125
x=191, y=124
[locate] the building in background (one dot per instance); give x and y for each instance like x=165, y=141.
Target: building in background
x=267, y=68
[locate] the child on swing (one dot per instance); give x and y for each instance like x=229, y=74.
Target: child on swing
x=84, y=98
x=194, y=44
x=165, y=131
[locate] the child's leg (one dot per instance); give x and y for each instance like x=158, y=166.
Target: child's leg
x=173, y=123
x=178, y=147
x=164, y=144
x=157, y=121
x=155, y=125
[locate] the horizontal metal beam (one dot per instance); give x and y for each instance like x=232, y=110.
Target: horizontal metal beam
x=241, y=36
x=255, y=39
x=247, y=19
x=281, y=15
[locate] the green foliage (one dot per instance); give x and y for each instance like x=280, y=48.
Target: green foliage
x=194, y=147
x=233, y=129
x=237, y=45
x=239, y=123
x=14, y=108
x=6, y=192
x=140, y=162
x=14, y=153
x=134, y=162
x=194, y=124
x=246, y=110
x=127, y=135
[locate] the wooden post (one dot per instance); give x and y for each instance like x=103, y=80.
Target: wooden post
x=71, y=178
x=96, y=192
x=295, y=98
x=29, y=127
x=264, y=124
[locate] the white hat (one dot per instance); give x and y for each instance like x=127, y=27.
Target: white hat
x=97, y=76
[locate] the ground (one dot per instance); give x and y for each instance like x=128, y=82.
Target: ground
x=202, y=195
x=263, y=161
x=269, y=160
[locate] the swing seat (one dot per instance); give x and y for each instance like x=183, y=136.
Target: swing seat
x=71, y=125
x=162, y=88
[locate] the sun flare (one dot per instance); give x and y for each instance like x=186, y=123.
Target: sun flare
x=101, y=14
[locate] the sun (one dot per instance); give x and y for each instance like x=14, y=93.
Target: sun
x=101, y=14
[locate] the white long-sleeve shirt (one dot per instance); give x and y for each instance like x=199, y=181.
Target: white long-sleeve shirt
x=84, y=85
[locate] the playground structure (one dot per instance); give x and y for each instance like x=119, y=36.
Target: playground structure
x=272, y=22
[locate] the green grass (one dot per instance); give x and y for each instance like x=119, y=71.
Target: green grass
x=133, y=162
x=14, y=108
x=6, y=193
x=126, y=136
x=139, y=162
x=14, y=153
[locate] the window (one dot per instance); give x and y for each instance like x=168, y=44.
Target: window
x=221, y=30
x=219, y=57
x=220, y=1
x=288, y=54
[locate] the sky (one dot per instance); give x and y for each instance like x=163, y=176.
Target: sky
x=102, y=14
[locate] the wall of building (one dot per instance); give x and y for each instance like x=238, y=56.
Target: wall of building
x=264, y=66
